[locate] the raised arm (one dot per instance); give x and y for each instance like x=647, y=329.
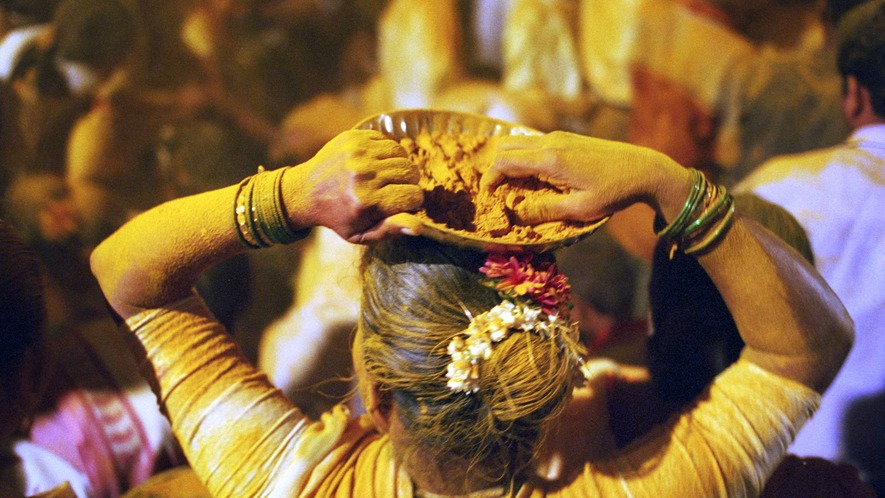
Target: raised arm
x=792, y=322
x=351, y=186
x=232, y=423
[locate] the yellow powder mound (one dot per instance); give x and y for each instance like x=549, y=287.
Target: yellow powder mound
x=451, y=168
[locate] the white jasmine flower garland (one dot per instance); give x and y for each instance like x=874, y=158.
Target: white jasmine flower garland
x=535, y=301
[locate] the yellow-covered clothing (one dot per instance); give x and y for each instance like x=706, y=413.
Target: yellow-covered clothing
x=244, y=438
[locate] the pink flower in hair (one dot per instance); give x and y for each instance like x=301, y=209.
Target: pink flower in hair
x=524, y=276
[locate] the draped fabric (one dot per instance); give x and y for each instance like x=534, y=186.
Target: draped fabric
x=244, y=438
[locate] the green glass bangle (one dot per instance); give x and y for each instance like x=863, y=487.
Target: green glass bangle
x=263, y=209
x=699, y=187
x=711, y=213
x=280, y=208
x=259, y=237
x=714, y=236
x=271, y=219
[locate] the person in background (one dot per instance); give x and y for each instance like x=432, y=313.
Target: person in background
x=26, y=469
x=713, y=80
x=862, y=435
x=42, y=101
x=109, y=164
x=305, y=352
x=713, y=91
x=96, y=413
x=838, y=195
x=609, y=287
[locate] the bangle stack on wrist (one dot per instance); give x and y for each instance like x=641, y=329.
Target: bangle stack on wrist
x=704, y=219
x=259, y=213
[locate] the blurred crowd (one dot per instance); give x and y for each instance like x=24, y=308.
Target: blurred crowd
x=109, y=107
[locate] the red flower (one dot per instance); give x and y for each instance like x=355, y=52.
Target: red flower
x=520, y=276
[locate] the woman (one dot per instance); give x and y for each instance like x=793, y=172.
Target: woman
x=444, y=419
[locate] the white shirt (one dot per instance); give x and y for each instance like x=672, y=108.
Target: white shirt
x=32, y=469
x=838, y=195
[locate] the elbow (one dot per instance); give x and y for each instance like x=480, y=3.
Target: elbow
x=103, y=265
x=846, y=334
x=835, y=350
x=98, y=263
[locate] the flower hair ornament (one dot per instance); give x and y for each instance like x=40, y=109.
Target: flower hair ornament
x=535, y=299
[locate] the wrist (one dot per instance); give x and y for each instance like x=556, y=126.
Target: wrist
x=672, y=185
x=701, y=222
x=295, y=194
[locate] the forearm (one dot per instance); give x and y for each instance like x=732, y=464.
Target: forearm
x=792, y=323
x=158, y=256
x=353, y=185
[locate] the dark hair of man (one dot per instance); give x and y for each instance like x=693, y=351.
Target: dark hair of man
x=861, y=45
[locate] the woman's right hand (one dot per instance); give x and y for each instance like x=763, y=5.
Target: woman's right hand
x=353, y=185
x=596, y=177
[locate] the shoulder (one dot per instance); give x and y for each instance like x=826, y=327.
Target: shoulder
x=732, y=434
x=359, y=462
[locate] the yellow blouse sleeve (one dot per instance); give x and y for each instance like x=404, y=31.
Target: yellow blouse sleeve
x=726, y=444
x=244, y=438
x=241, y=435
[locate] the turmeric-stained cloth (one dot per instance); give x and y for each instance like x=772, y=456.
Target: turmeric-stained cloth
x=244, y=438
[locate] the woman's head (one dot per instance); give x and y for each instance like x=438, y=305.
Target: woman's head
x=418, y=296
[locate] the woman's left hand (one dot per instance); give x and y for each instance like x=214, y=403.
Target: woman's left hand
x=353, y=185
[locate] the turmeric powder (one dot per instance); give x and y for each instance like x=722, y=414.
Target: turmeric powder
x=451, y=167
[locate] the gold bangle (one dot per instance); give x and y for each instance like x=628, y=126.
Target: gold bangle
x=241, y=219
x=271, y=221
